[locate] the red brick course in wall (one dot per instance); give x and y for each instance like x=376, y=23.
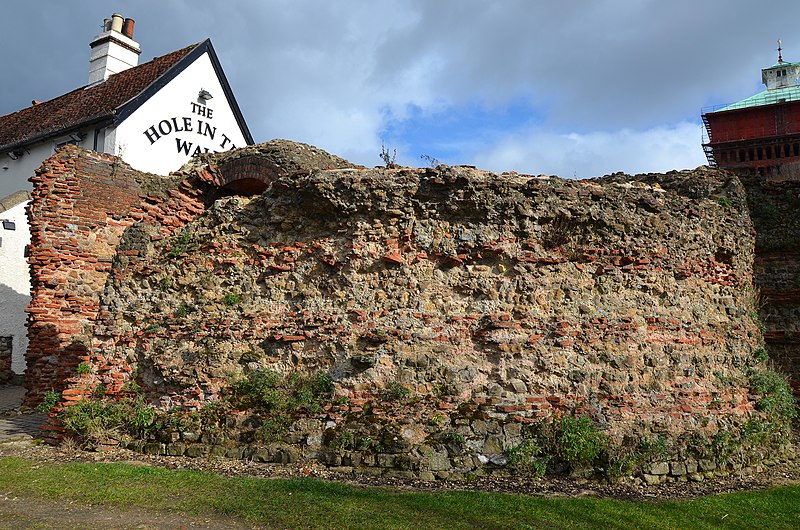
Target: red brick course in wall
x=81, y=204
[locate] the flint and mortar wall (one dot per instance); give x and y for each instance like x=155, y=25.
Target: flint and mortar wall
x=627, y=299
x=511, y=298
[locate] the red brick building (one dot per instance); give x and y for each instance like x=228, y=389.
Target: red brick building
x=760, y=134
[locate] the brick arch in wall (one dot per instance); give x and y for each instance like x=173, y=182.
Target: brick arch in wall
x=248, y=175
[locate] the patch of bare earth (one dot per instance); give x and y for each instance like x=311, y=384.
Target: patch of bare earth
x=23, y=512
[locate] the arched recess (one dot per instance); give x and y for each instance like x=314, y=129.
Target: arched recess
x=248, y=175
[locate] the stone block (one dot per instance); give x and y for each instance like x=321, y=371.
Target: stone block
x=707, y=465
x=438, y=461
x=190, y=437
x=386, y=460
x=196, y=451
x=175, y=449
x=659, y=468
x=217, y=450
x=493, y=445
x=652, y=479
x=677, y=469
x=154, y=448
x=236, y=453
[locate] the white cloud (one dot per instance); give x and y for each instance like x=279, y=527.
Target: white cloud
x=539, y=151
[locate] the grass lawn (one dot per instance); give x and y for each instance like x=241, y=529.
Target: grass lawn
x=310, y=503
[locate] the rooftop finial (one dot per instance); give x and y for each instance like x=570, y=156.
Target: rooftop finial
x=780, y=50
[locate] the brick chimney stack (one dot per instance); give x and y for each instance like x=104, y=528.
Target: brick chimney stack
x=114, y=50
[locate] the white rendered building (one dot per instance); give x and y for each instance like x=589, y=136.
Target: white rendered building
x=155, y=116
x=15, y=287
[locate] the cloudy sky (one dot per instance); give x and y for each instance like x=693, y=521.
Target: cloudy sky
x=579, y=88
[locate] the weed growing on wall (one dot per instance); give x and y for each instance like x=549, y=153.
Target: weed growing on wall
x=387, y=156
x=180, y=244
x=97, y=420
x=83, y=368
x=231, y=299
x=281, y=398
x=579, y=441
x=776, y=401
x=395, y=392
x=50, y=399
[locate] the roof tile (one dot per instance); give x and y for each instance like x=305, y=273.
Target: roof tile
x=83, y=105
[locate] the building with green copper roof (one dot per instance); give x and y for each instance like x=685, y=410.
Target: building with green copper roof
x=761, y=133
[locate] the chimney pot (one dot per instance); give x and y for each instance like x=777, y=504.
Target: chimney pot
x=114, y=50
x=116, y=22
x=127, y=28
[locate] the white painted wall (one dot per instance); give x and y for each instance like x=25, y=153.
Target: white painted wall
x=15, y=283
x=14, y=174
x=173, y=124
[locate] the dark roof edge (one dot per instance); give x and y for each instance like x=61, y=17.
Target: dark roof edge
x=226, y=87
x=106, y=119
x=128, y=108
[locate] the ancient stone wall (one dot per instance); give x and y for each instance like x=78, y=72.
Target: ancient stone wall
x=774, y=205
x=629, y=299
x=494, y=302
x=81, y=205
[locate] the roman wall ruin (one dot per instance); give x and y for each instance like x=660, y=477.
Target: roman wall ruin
x=499, y=300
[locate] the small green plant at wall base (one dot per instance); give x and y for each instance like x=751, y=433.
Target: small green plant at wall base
x=95, y=420
x=527, y=459
x=579, y=441
x=723, y=447
x=131, y=386
x=365, y=443
x=274, y=429
x=232, y=299
x=776, y=400
x=84, y=368
x=343, y=441
x=49, y=400
x=269, y=392
x=99, y=391
x=725, y=202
